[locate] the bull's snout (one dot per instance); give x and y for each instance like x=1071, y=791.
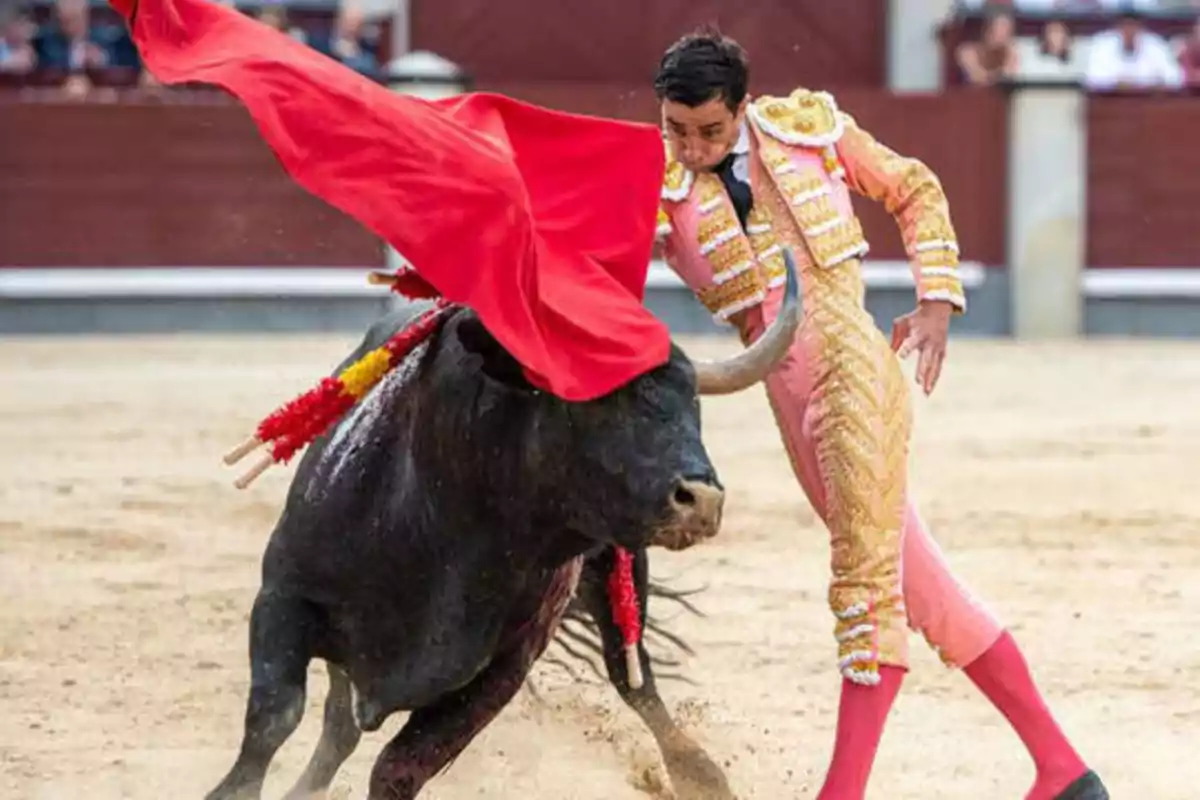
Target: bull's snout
x=696, y=507
x=699, y=499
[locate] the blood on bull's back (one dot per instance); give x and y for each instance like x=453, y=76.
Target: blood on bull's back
x=392, y=529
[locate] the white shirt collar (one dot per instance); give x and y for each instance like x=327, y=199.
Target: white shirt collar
x=742, y=146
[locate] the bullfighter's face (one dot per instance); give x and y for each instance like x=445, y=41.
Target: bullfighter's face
x=701, y=136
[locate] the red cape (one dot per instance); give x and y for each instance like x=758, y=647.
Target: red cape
x=541, y=221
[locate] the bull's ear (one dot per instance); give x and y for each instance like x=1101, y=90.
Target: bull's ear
x=497, y=363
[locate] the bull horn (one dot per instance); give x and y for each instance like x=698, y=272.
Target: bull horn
x=754, y=363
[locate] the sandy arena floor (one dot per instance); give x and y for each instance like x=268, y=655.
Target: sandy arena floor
x=128, y=563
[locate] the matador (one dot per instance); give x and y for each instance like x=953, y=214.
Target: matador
x=747, y=177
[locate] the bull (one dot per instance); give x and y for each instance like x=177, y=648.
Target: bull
x=431, y=542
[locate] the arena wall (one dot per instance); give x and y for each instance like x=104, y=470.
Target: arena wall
x=837, y=45
x=174, y=215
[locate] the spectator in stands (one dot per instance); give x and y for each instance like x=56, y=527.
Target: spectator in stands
x=348, y=42
x=69, y=43
x=1054, y=58
x=274, y=14
x=994, y=57
x=1111, y=5
x=1084, y=6
x=1131, y=57
x=1189, y=58
x=17, y=56
x=72, y=45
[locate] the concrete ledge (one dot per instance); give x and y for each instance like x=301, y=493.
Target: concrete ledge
x=164, y=282
x=1136, y=282
x=208, y=299
x=147, y=315
x=46, y=283
x=1132, y=302
x=1149, y=316
x=1137, y=301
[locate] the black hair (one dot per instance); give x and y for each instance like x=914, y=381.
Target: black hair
x=702, y=66
x=1044, y=41
x=995, y=11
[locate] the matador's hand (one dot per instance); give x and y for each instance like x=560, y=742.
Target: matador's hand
x=924, y=330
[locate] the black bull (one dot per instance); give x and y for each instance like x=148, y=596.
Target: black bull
x=430, y=544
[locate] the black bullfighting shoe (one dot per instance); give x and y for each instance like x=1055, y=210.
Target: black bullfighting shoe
x=1087, y=787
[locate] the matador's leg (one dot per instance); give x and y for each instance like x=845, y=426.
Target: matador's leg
x=953, y=621
x=857, y=422
x=846, y=430
x=842, y=409
x=967, y=635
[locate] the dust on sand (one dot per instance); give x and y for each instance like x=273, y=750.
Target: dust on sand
x=1060, y=479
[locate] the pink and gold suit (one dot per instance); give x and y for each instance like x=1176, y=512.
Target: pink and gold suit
x=839, y=398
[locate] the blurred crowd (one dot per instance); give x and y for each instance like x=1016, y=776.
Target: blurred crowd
x=1127, y=53
x=77, y=45
x=1083, y=6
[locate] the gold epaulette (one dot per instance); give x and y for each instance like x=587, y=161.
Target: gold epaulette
x=677, y=180
x=804, y=118
x=663, y=226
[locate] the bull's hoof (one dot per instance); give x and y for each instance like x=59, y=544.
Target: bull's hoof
x=694, y=776
x=242, y=792
x=1087, y=787
x=339, y=793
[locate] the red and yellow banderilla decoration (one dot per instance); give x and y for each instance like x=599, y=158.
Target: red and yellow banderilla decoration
x=295, y=424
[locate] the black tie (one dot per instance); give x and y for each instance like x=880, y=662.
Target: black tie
x=739, y=190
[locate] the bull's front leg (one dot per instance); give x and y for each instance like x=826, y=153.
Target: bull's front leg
x=280, y=648
x=694, y=775
x=434, y=735
x=340, y=735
